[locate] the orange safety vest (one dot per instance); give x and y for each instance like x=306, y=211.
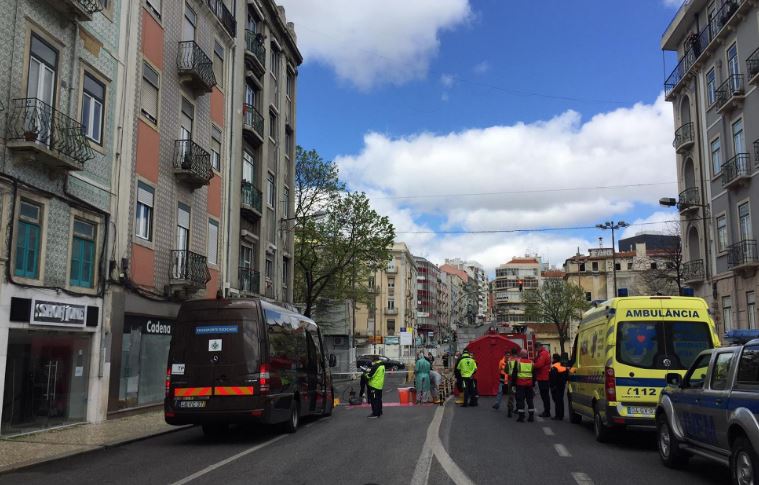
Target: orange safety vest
x=559, y=368
x=502, y=369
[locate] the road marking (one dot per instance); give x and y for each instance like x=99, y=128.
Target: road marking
x=434, y=447
x=562, y=450
x=227, y=461
x=548, y=431
x=582, y=478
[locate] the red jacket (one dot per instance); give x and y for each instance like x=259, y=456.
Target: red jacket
x=542, y=365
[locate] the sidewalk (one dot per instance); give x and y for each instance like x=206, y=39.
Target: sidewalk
x=22, y=451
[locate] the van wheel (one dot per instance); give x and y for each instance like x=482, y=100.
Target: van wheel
x=743, y=462
x=215, y=430
x=330, y=403
x=669, y=445
x=574, y=417
x=602, y=432
x=291, y=425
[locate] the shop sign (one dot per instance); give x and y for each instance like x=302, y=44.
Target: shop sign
x=392, y=340
x=57, y=313
x=157, y=327
x=148, y=325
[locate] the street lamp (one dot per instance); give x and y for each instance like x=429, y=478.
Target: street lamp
x=613, y=226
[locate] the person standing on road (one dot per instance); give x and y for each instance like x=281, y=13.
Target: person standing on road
x=510, y=387
x=375, y=383
x=456, y=372
x=542, y=368
x=558, y=381
x=422, y=373
x=467, y=367
x=435, y=380
x=523, y=376
x=503, y=379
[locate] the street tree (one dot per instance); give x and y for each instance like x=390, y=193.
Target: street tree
x=556, y=302
x=664, y=274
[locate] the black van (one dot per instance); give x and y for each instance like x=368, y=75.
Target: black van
x=245, y=360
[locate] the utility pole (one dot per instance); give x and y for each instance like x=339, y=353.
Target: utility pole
x=613, y=226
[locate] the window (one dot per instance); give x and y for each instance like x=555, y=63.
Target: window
x=286, y=204
x=218, y=63
x=213, y=242
x=721, y=233
x=744, y=222
x=93, y=99
x=649, y=344
x=274, y=60
x=216, y=148
x=595, y=265
x=751, y=309
x=83, y=254
x=371, y=282
x=721, y=371
x=270, y=191
x=588, y=296
x=748, y=367
x=248, y=167
x=273, y=126
x=186, y=120
x=711, y=82
x=653, y=265
x=629, y=266
x=28, y=240
x=285, y=272
x=727, y=312
x=144, y=212
x=391, y=283
x=155, y=6
x=696, y=376
x=733, y=66
x=391, y=304
x=41, y=80
x=618, y=266
x=149, y=96
x=183, y=227
x=269, y=268
x=739, y=142
x=189, y=24
x=582, y=267
x=716, y=151
x=288, y=143
x=391, y=327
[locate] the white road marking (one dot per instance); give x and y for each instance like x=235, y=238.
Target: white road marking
x=562, y=450
x=548, y=431
x=582, y=478
x=227, y=461
x=433, y=447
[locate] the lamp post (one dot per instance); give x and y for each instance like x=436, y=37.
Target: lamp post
x=613, y=226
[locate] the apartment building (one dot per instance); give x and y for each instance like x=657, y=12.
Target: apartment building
x=465, y=291
x=512, y=279
x=443, y=306
x=713, y=90
x=427, y=323
x=475, y=272
x=60, y=89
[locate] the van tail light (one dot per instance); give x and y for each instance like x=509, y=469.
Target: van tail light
x=168, y=381
x=610, y=384
x=263, y=378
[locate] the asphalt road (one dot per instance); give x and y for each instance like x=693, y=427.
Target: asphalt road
x=463, y=445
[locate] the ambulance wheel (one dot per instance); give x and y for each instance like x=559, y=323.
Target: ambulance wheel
x=668, y=444
x=743, y=462
x=602, y=432
x=574, y=417
x=291, y=425
x=215, y=430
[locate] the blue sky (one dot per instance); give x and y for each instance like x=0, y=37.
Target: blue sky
x=470, y=96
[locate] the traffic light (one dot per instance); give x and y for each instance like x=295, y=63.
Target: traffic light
x=521, y=284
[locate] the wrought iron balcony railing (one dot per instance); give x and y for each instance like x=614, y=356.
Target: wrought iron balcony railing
x=728, y=90
x=189, y=269
x=254, y=43
x=689, y=198
x=34, y=125
x=78, y=9
x=192, y=163
x=693, y=270
x=226, y=17
x=253, y=120
x=752, y=66
x=736, y=169
x=743, y=253
x=195, y=67
x=251, y=198
x=250, y=280
x=683, y=136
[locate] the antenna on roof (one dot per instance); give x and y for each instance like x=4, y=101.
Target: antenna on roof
x=600, y=242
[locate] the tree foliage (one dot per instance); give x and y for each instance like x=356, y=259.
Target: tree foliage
x=339, y=239
x=667, y=277
x=558, y=302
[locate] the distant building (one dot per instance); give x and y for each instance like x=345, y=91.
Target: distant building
x=653, y=242
x=511, y=280
x=476, y=272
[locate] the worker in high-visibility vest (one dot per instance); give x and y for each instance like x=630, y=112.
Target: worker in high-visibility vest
x=467, y=367
x=510, y=387
x=558, y=380
x=375, y=382
x=524, y=377
x=503, y=379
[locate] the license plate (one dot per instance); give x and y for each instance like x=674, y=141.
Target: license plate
x=641, y=410
x=192, y=404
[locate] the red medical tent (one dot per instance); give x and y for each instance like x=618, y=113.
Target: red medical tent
x=488, y=350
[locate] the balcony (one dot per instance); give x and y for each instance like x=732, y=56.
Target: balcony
x=249, y=280
x=192, y=164
x=226, y=17
x=252, y=125
x=251, y=202
x=195, y=68
x=742, y=255
x=188, y=270
x=255, y=52
x=689, y=200
x=391, y=311
x=693, y=271
x=77, y=9
x=730, y=93
x=752, y=67
x=46, y=135
x=736, y=171
x=391, y=269
x=683, y=138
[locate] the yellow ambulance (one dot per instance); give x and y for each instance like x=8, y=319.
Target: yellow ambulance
x=623, y=350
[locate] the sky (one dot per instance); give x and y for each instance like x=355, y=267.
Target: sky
x=490, y=129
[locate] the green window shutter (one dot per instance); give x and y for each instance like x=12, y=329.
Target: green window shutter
x=27, y=250
x=76, y=262
x=82, y=262
x=88, y=257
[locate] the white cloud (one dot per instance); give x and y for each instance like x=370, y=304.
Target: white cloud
x=672, y=3
x=482, y=67
x=511, y=166
x=370, y=43
x=659, y=222
x=447, y=80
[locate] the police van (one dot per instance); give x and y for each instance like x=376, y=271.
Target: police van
x=245, y=360
x=622, y=353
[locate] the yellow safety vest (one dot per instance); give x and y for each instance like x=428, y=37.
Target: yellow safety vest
x=377, y=381
x=467, y=366
x=524, y=374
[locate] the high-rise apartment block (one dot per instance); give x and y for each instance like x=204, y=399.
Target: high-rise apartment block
x=512, y=279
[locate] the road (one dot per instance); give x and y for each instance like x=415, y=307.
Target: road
x=408, y=445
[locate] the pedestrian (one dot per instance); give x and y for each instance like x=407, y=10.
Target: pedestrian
x=430, y=358
x=467, y=367
x=456, y=372
x=542, y=368
x=435, y=380
x=422, y=374
x=523, y=376
x=446, y=357
x=375, y=380
x=503, y=379
x=558, y=382
x=510, y=388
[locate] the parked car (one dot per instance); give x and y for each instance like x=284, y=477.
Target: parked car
x=712, y=410
x=390, y=364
